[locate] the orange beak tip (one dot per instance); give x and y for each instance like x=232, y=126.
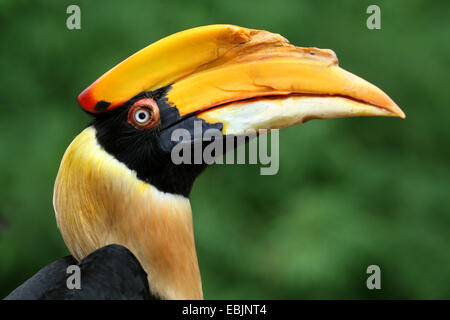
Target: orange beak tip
x=395, y=109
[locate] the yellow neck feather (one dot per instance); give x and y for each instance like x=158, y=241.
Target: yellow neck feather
x=99, y=201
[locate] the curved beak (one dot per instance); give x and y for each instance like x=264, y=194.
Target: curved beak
x=242, y=78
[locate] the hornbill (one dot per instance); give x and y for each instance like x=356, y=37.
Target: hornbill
x=122, y=205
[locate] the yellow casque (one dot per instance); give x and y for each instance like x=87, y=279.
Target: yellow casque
x=218, y=64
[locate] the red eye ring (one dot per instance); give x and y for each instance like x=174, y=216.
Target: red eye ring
x=144, y=114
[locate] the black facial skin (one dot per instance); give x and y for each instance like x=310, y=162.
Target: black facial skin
x=148, y=152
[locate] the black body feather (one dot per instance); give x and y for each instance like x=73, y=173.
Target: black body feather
x=109, y=273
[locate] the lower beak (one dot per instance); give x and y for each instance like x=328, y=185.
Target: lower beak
x=248, y=116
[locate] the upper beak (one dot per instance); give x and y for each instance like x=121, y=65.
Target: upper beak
x=243, y=78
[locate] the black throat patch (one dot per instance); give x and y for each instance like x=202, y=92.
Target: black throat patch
x=148, y=152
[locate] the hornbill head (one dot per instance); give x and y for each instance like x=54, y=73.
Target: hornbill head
x=117, y=182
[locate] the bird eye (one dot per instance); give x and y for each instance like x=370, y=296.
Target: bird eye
x=144, y=114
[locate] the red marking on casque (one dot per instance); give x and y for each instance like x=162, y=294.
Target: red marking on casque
x=91, y=104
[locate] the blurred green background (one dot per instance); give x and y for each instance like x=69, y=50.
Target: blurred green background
x=349, y=192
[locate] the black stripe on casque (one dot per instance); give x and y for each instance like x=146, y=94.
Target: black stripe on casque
x=148, y=152
x=101, y=106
